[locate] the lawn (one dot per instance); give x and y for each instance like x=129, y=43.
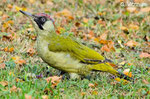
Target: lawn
x=119, y=32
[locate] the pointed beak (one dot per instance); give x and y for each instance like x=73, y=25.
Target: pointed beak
x=26, y=13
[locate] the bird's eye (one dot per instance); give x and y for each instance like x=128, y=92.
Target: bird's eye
x=43, y=19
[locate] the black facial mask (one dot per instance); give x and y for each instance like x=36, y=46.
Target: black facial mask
x=40, y=21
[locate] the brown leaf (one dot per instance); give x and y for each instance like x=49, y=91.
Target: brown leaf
x=83, y=93
x=65, y=13
x=91, y=85
x=2, y=66
x=131, y=43
x=105, y=48
x=4, y=83
x=31, y=51
x=91, y=34
x=28, y=96
x=85, y=20
x=18, y=60
x=54, y=80
x=147, y=9
x=145, y=81
x=109, y=46
x=103, y=36
x=15, y=89
x=144, y=55
x=127, y=72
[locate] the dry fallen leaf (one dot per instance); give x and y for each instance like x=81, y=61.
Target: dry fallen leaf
x=91, y=35
x=4, y=83
x=109, y=46
x=54, y=80
x=31, y=51
x=85, y=20
x=144, y=55
x=83, y=93
x=28, y=96
x=91, y=85
x=14, y=89
x=19, y=61
x=127, y=72
x=103, y=36
x=2, y=66
x=65, y=13
x=147, y=9
x=131, y=43
x=145, y=81
x=105, y=48
x=133, y=27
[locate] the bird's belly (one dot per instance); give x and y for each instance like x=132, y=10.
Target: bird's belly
x=60, y=60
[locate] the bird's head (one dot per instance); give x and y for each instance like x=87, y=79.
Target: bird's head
x=41, y=21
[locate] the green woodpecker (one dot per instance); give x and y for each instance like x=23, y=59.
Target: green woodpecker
x=65, y=54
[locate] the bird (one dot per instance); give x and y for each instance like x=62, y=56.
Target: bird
x=64, y=53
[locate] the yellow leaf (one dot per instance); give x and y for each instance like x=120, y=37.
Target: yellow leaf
x=122, y=63
x=1, y=13
x=122, y=80
x=11, y=49
x=134, y=27
x=11, y=74
x=32, y=1
x=95, y=92
x=19, y=8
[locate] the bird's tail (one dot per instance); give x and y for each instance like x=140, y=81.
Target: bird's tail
x=106, y=67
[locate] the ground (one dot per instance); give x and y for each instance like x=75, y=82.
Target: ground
x=118, y=32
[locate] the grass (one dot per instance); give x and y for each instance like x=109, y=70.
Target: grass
x=113, y=17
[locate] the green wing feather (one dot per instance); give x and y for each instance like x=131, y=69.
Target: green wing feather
x=65, y=44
